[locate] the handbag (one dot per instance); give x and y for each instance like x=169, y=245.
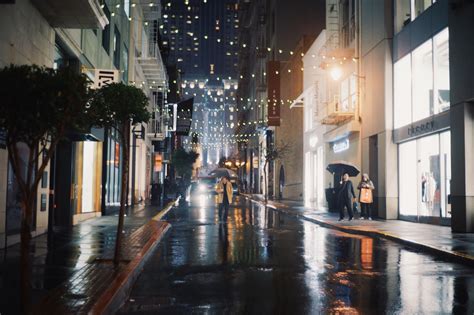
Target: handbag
x=366, y=195
x=355, y=207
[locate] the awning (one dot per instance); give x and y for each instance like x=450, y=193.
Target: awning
x=299, y=101
x=342, y=131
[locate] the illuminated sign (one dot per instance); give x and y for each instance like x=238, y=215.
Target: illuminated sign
x=158, y=162
x=340, y=146
x=105, y=77
x=117, y=155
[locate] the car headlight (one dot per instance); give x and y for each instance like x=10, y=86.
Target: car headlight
x=201, y=187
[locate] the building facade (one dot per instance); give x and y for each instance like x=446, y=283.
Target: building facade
x=288, y=182
x=54, y=41
x=407, y=73
x=83, y=179
x=269, y=32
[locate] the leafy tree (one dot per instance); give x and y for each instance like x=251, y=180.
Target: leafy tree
x=38, y=106
x=183, y=161
x=273, y=154
x=120, y=106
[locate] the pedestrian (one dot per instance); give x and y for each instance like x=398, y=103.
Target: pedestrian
x=366, y=186
x=346, y=196
x=224, y=197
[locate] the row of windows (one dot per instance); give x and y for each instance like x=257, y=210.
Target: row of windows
x=421, y=81
x=408, y=10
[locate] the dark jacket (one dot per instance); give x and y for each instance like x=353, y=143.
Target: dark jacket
x=346, y=190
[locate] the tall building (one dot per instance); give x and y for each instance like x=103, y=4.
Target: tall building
x=202, y=37
x=332, y=103
x=83, y=179
x=393, y=97
x=91, y=40
x=148, y=71
x=269, y=31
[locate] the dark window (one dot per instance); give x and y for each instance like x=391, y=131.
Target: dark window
x=106, y=32
x=117, y=48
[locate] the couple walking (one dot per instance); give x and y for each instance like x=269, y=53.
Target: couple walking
x=224, y=197
x=346, y=197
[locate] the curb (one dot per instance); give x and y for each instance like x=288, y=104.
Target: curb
x=110, y=301
x=446, y=255
x=166, y=209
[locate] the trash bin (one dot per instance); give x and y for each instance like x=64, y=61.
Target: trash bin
x=331, y=199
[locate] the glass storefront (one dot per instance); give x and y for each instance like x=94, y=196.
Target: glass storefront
x=114, y=170
x=425, y=178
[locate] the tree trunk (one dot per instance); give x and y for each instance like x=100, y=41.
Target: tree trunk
x=125, y=135
x=25, y=268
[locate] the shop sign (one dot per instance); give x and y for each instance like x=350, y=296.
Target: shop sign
x=255, y=162
x=104, y=77
x=416, y=130
x=430, y=125
x=117, y=155
x=340, y=146
x=273, y=94
x=158, y=165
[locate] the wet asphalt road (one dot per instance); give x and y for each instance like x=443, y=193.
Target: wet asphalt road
x=264, y=262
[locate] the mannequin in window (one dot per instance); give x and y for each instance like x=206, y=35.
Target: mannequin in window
x=423, y=188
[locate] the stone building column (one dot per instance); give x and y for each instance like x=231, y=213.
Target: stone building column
x=461, y=50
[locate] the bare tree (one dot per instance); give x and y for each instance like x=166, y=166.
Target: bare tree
x=272, y=154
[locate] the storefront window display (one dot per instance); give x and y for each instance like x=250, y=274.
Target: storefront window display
x=425, y=176
x=114, y=156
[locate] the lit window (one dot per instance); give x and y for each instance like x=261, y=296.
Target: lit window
x=402, y=92
x=422, y=71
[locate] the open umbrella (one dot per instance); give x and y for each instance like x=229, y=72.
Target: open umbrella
x=220, y=172
x=342, y=167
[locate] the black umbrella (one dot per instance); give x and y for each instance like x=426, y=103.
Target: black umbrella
x=342, y=167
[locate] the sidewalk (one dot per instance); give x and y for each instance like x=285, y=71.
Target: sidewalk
x=75, y=274
x=434, y=239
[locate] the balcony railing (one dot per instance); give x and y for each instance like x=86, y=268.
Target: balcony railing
x=156, y=129
x=72, y=13
x=335, y=112
x=152, y=65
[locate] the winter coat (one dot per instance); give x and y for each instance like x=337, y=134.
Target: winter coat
x=346, y=191
x=220, y=192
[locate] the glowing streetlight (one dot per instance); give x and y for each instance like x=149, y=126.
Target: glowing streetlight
x=336, y=73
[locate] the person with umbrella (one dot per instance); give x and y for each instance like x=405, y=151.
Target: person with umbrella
x=345, y=197
x=224, y=197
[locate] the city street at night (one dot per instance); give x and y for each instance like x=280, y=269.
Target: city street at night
x=236, y=157
x=263, y=262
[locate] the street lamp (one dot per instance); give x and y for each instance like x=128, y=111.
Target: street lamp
x=336, y=73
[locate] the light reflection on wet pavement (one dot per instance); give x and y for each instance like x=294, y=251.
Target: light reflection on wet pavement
x=71, y=249
x=263, y=262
